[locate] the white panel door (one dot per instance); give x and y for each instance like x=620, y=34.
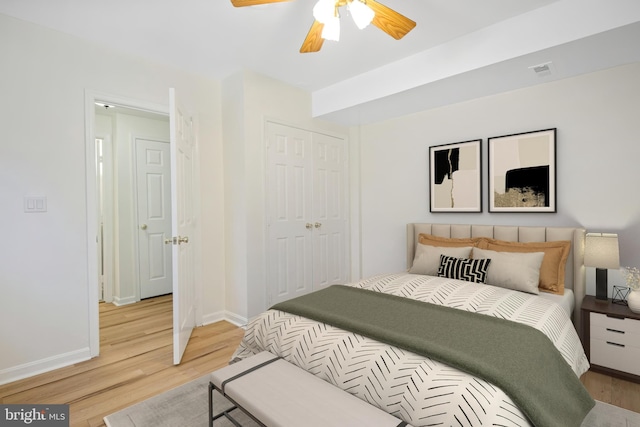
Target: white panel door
x=153, y=185
x=307, y=214
x=182, y=225
x=329, y=211
x=290, y=230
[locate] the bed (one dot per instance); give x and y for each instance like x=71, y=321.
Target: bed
x=422, y=388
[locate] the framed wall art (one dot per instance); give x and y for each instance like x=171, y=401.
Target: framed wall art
x=455, y=177
x=522, y=172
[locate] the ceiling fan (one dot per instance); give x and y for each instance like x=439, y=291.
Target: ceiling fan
x=326, y=24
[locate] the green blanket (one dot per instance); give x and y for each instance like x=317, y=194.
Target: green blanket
x=519, y=359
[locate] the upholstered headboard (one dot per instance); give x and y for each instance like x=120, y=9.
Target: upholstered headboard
x=574, y=272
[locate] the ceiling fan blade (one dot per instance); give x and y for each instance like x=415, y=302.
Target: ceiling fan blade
x=242, y=3
x=313, y=41
x=390, y=21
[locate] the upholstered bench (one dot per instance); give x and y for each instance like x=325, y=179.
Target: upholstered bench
x=276, y=393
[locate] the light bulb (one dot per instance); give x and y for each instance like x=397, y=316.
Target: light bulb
x=361, y=13
x=324, y=10
x=331, y=29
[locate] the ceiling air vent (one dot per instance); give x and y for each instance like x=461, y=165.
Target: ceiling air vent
x=542, y=70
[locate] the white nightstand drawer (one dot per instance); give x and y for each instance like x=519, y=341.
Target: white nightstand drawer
x=622, y=324
x=615, y=356
x=615, y=334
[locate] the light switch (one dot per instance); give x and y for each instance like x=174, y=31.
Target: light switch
x=34, y=204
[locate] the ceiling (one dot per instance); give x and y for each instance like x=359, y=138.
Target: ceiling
x=212, y=38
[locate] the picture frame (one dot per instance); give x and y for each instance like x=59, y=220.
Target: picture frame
x=455, y=177
x=522, y=172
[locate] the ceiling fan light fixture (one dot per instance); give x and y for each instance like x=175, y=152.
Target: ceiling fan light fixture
x=331, y=29
x=361, y=13
x=324, y=10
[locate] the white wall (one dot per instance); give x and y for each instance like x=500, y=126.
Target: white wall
x=598, y=149
x=43, y=261
x=249, y=100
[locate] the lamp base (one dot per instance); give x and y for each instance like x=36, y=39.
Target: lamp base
x=602, y=288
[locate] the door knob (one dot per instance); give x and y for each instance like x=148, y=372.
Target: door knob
x=309, y=226
x=143, y=226
x=183, y=239
x=318, y=224
x=170, y=240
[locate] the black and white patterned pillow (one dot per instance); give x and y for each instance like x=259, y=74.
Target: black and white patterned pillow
x=471, y=270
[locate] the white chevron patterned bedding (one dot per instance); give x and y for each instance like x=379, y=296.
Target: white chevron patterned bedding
x=416, y=389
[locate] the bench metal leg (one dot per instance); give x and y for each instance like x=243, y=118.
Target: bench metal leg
x=227, y=413
x=210, y=404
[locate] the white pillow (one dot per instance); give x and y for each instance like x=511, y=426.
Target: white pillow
x=512, y=270
x=427, y=258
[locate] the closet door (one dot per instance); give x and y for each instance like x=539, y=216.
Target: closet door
x=329, y=211
x=289, y=207
x=307, y=216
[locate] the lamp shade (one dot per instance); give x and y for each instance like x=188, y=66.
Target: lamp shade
x=324, y=10
x=361, y=13
x=601, y=251
x=331, y=29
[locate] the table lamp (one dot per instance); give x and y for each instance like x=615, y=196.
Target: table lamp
x=601, y=251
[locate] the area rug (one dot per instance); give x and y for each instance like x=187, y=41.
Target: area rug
x=187, y=406
x=184, y=406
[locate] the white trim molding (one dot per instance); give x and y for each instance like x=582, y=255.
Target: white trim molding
x=228, y=316
x=30, y=369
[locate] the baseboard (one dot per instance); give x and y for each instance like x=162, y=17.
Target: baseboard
x=124, y=301
x=224, y=315
x=30, y=369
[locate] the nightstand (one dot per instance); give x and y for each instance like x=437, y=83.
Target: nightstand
x=611, y=338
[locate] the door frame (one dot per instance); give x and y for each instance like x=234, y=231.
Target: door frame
x=91, y=97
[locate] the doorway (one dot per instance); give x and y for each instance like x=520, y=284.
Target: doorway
x=134, y=203
x=94, y=258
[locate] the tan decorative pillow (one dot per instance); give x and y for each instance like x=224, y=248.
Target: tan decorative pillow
x=513, y=270
x=427, y=258
x=431, y=240
x=553, y=263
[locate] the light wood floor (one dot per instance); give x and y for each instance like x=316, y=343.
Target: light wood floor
x=135, y=363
